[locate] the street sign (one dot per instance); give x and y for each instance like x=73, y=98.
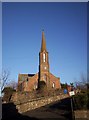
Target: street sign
x=71, y=93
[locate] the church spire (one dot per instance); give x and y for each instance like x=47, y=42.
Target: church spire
x=43, y=45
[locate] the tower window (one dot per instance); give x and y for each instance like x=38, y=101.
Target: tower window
x=43, y=57
x=45, y=67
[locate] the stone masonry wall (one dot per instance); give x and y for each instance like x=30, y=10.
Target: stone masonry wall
x=36, y=103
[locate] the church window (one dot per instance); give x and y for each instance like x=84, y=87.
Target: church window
x=43, y=57
x=53, y=85
x=45, y=67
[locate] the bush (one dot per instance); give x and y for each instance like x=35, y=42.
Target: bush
x=81, y=101
x=8, y=91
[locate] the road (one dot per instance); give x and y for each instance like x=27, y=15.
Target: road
x=60, y=110
x=57, y=110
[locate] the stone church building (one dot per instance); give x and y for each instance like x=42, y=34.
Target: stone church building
x=30, y=82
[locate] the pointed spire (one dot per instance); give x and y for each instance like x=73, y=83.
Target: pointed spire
x=43, y=45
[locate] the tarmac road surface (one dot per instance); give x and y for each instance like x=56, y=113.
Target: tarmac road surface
x=60, y=110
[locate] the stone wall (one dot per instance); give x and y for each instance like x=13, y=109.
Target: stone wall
x=25, y=96
x=36, y=103
x=81, y=114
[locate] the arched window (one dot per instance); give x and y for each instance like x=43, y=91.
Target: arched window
x=44, y=57
x=53, y=85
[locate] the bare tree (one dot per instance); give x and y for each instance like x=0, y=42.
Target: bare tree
x=13, y=84
x=4, y=78
x=82, y=82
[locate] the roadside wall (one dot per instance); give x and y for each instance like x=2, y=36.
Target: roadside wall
x=36, y=103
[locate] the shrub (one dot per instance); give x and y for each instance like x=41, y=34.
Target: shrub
x=81, y=101
x=8, y=91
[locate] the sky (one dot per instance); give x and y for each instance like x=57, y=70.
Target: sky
x=65, y=28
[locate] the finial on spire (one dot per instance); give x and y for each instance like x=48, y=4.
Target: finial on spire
x=42, y=30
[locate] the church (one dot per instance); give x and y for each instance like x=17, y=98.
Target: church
x=31, y=82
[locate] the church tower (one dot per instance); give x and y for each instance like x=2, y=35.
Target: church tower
x=43, y=79
x=44, y=63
